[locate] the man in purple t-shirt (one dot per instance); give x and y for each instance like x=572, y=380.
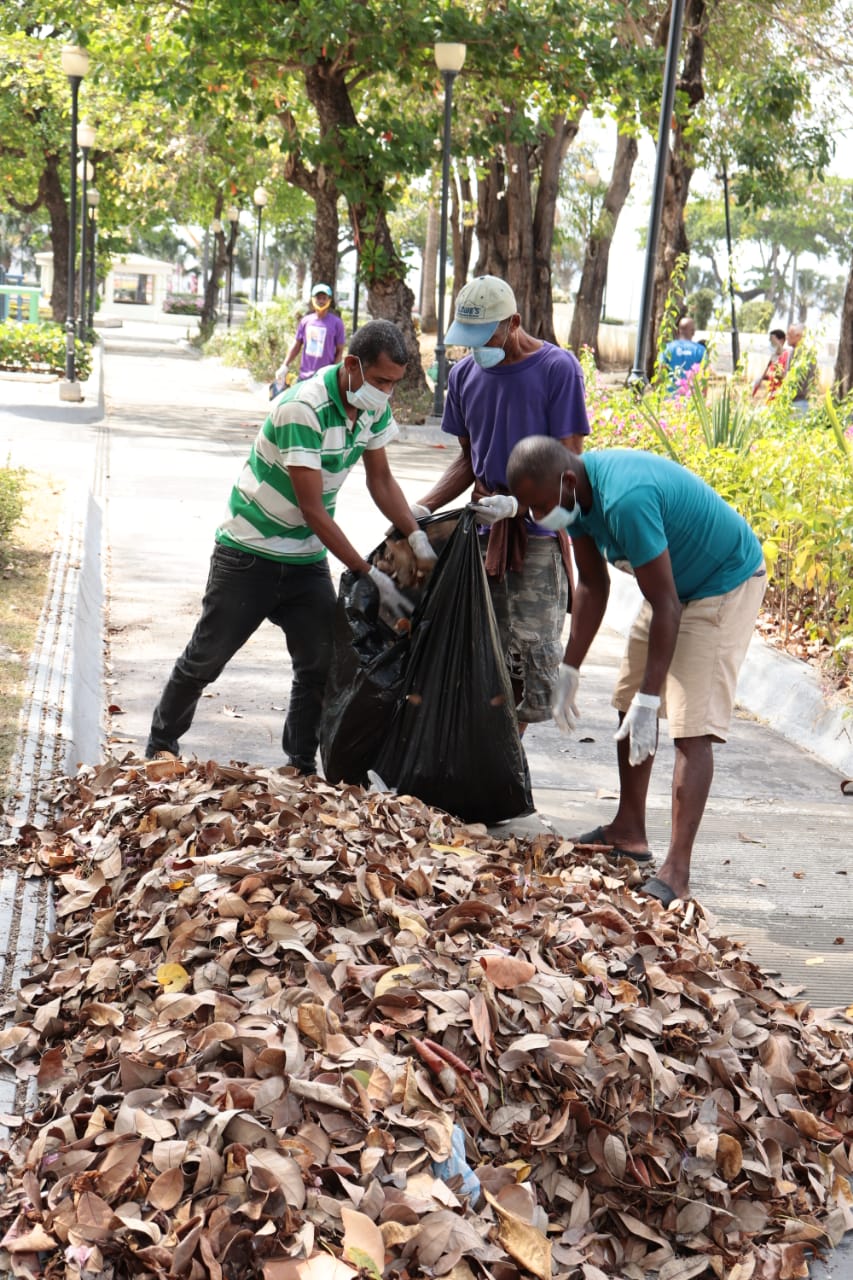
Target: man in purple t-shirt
x=320, y=336
x=512, y=386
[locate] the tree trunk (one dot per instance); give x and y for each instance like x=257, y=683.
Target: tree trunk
x=50, y=187
x=551, y=154
x=389, y=297
x=844, y=362
x=516, y=233
x=588, y=304
x=462, y=223
x=492, y=230
x=429, y=318
x=324, y=257
x=300, y=271
x=682, y=163
x=218, y=268
x=519, y=248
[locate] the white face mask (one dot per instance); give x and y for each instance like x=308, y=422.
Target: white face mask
x=367, y=398
x=559, y=517
x=488, y=357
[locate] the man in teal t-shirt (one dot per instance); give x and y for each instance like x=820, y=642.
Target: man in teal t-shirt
x=683, y=354
x=701, y=570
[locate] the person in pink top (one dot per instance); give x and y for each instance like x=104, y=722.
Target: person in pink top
x=320, y=337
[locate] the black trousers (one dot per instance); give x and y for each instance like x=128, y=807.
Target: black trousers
x=243, y=590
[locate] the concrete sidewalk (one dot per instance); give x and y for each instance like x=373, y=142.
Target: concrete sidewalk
x=775, y=855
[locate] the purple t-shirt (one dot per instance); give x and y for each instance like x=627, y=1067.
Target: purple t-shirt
x=320, y=337
x=542, y=395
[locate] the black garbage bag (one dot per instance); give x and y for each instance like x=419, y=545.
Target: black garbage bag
x=364, y=683
x=368, y=663
x=454, y=740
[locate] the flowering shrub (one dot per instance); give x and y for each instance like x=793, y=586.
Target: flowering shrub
x=40, y=348
x=790, y=477
x=183, y=304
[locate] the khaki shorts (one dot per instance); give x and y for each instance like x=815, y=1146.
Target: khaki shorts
x=713, y=637
x=530, y=609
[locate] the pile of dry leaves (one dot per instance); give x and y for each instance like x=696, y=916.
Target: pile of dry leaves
x=270, y=1007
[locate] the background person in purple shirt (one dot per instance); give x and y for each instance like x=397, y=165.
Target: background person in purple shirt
x=512, y=386
x=320, y=336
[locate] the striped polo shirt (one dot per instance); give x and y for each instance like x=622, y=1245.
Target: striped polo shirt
x=307, y=427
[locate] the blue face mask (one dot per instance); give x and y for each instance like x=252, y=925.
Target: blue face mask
x=559, y=517
x=488, y=357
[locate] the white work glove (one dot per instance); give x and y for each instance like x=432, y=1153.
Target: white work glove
x=419, y=511
x=390, y=594
x=425, y=557
x=563, y=706
x=500, y=506
x=641, y=722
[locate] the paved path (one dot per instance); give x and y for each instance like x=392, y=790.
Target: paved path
x=775, y=856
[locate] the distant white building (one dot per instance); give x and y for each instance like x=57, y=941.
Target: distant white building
x=134, y=281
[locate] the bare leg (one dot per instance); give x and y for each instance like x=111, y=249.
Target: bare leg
x=691, y=783
x=628, y=828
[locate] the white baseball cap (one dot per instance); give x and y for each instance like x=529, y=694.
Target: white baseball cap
x=480, y=307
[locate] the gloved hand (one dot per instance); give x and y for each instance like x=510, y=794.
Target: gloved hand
x=563, y=706
x=425, y=557
x=390, y=595
x=500, y=506
x=419, y=511
x=641, y=723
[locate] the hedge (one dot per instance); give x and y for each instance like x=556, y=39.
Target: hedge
x=40, y=348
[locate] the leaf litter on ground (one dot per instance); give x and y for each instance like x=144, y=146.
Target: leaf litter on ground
x=269, y=1004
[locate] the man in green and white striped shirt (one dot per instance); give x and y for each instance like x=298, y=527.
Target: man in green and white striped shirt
x=270, y=558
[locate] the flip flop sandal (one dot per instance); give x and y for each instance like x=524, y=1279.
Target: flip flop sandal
x=847, y=787
x=597, y=839
x=659, y=889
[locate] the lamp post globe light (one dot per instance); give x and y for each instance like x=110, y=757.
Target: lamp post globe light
x=233, y=215
x=93, y=200
x=261, y=198
x=85, y=140
x=592, y=181
x=75, y=64
x=450, y=59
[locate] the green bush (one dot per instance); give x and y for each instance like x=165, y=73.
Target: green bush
x=700, y=305
x=40, y=348
x=755, y=316
x=261, y=342
x=790, y=477
x=11, y=499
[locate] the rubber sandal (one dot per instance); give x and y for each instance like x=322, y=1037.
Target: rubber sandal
x=658, y=889
x=597, y=837
x=847, y=787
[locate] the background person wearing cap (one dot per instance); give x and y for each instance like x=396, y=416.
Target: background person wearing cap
x=320, y=336
x=512, y=386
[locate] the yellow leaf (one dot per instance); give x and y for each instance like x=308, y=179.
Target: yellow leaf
x=461, y=849
x=173, y=977
x=389, y=980
x=814, y=960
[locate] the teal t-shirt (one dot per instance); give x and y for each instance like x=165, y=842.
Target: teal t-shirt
x=644, y=505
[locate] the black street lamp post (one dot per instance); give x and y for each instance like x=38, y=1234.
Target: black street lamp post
x=637, y=377
x=92, y=198
x=735, y=334
x=449, y=58
x=75, y=64
x=260, y=197
x=233, y=217
x=85, y=140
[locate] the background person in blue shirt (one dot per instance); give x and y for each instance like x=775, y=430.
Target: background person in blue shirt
x=683, y=354
x=701, y=570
